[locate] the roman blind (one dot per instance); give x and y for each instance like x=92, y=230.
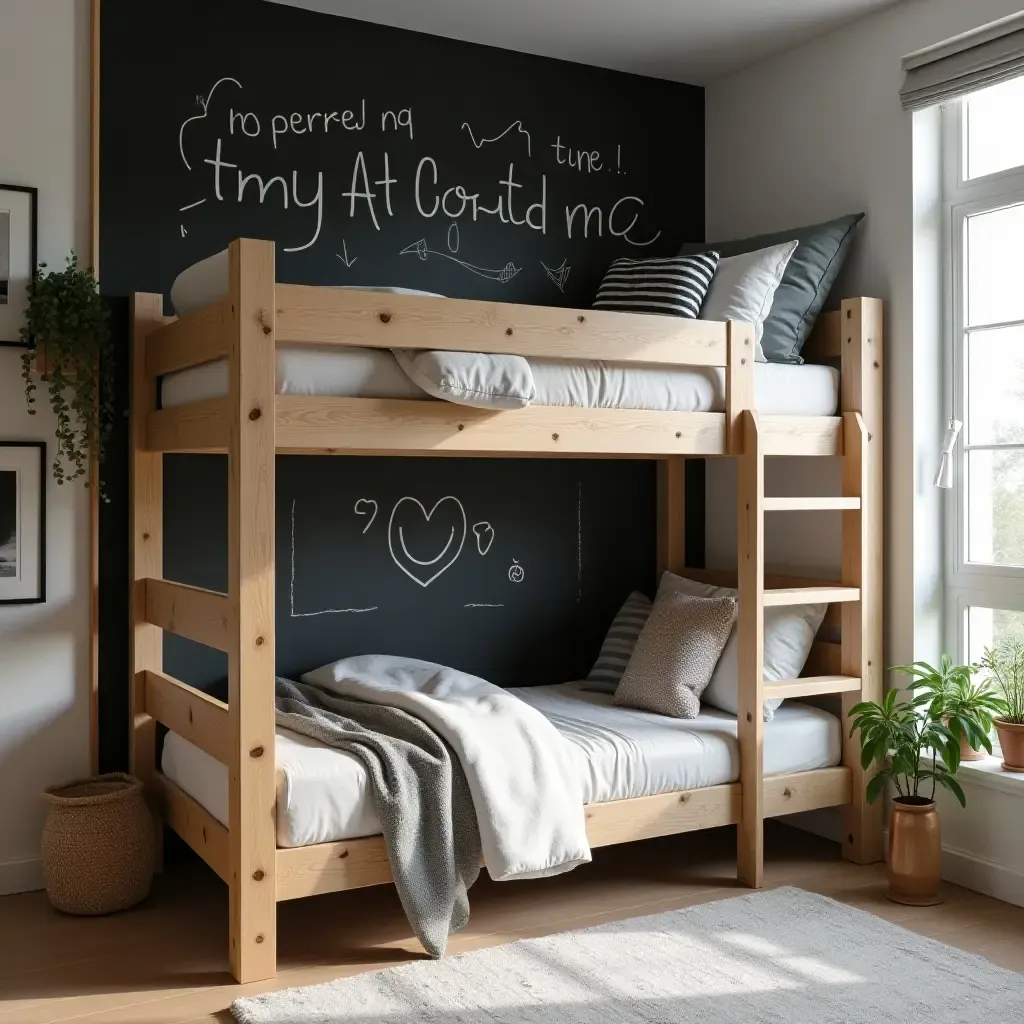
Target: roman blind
x=981, y=57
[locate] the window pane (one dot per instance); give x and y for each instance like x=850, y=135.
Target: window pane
x=995, y=506
x=995, y=128
x=995, y=266
x=987, y=627
x=995, y=386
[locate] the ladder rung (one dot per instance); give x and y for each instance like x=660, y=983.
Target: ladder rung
x=809, y=686
x=818, y=504
x=809, y=595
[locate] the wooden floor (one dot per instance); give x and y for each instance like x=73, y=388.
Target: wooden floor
x=166, y=960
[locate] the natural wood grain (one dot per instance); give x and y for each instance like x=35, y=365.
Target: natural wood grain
x=862, y=549
x=750, y=637
x=192, y=714
x=196, y=427
x=739, y=380
x=802, y=435
x=401, y=425
x=200, y=829
x=806, y=791
x=785, y=596
x=822, y=504
x=811, y=686
x=198, y=337
x=201, y=615
x=671, y=515
x=252, y=785
x=332, y=316
x=145, y=541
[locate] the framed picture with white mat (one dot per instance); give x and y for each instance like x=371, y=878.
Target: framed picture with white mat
x=22, y=522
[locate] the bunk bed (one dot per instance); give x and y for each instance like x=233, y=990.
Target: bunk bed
x=251, y=422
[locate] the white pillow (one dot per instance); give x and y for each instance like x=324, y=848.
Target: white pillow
x=788, y=635
x=470, y=378
x=743, y=288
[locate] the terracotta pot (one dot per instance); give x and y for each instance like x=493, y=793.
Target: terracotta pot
x=968, y=753
x=98, y=845
x=1011, y=739
x=914, y=866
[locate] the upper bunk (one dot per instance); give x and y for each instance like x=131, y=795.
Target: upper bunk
x=240, y=326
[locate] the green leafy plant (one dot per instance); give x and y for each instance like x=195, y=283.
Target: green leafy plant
x=67, y=321
x=1005, y=667
x=908, y=739
x=968, y=707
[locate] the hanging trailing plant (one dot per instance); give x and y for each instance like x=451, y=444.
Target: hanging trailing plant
x=67, y=321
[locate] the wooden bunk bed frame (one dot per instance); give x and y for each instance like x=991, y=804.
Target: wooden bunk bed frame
x=252, y=423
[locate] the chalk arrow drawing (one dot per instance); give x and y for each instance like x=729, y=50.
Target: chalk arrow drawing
x=559, y=275
x=360, y=508
x=483, y=141
x=344, y=259
x=422, y=250
x=484, y=536
x=450, y=513
x=204, y=104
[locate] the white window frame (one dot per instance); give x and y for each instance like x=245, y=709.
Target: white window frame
x=967, y=584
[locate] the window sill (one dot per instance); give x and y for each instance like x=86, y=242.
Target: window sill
x=989, y=774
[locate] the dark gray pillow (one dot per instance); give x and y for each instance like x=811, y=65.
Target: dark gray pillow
x=805, y=285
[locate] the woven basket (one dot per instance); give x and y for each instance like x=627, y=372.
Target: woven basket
x=98, y=845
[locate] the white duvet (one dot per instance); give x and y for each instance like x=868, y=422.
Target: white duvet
x=525, y=786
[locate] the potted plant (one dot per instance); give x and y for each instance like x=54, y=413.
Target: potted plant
x=66, y=322
x=966, y=706
x=913, y=748
x=1005, y=666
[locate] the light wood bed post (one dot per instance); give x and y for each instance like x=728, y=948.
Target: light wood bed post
x=745, y=443
x=251, y=799
x=862, y=395
x=146, y=557
x=671, y=515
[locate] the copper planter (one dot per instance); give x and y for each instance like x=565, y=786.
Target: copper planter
x=914, y=867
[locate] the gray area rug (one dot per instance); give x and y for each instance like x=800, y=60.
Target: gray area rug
x=784, y=957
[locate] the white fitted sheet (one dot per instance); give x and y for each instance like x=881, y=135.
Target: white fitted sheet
x=323, y=795
x=779, y=389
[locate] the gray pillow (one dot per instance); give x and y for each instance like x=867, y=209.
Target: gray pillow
x=618, y=644
x=805, y=285
x=676, y=654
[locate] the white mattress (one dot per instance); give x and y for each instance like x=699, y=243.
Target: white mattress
x=780, y=389
x=323, y=796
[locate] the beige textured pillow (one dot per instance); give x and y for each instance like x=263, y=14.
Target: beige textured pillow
x=676, y=654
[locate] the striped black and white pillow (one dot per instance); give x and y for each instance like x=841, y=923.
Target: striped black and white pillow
x=674, y=286
x=618, y=644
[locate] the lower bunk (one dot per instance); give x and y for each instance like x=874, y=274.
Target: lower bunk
x=641, y=775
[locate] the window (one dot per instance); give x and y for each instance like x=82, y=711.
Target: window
x=983, y=185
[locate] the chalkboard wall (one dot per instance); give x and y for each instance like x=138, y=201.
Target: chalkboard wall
x=375, y=156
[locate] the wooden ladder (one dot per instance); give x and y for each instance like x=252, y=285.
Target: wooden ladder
x=859, y=593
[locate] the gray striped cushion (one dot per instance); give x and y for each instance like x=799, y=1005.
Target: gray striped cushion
x=618, y=644
x=675, y=286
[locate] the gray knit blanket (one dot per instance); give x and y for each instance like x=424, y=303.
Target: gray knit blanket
x=421, y=796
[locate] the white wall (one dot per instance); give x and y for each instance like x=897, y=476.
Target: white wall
x=44, y=713
x=813, y=134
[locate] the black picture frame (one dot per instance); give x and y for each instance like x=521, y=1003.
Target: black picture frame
x=33, y=194
x=39, y=596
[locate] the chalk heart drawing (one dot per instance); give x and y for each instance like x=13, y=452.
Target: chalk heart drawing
x=446, y=536
x=484, y=533
x=366, y=507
